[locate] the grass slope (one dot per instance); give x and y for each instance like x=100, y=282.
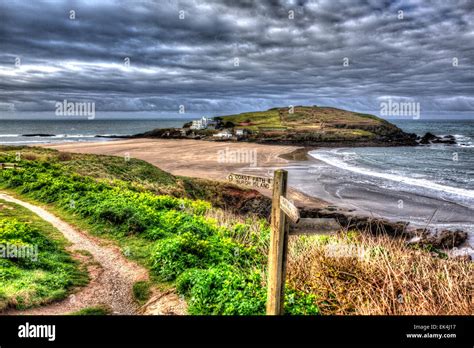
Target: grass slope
x=219, y=269
x=27, y=282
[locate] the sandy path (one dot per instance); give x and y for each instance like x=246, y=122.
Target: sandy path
x=112, y=277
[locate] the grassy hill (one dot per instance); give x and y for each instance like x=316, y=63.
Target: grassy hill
x=313, y=125
x=302, y=126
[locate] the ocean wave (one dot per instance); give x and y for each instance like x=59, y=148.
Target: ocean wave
x=74, y=136
x=330, y=157
x=24, y=142
x=9, y=135
x=463, y=140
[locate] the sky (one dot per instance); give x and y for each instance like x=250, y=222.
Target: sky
x=214, y=56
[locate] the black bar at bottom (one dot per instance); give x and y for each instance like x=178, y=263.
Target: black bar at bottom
x=171, y=330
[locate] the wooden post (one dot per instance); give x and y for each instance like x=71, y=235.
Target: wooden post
x=278, y=247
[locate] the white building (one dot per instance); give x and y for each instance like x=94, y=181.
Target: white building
x=241, y=132
x=202, y=123
x=225, y=134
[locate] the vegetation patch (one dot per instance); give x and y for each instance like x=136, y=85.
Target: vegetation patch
x=141, y=291
x=172, y=235
x=361, y=274
x=94, y=310
x=35, y=269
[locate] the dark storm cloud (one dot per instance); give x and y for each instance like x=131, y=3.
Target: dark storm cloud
x=193, y=61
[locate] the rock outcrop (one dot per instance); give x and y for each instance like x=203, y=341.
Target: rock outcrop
x=430, y=138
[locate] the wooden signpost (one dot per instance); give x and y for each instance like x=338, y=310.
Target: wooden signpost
x=278, y=247
x=289, y=209
x=285, y=221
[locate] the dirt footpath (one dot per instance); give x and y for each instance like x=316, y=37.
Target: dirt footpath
x=112, y=275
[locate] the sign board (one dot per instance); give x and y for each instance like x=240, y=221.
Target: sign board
x=290, y=210
x=251, y=180
x=315, y=226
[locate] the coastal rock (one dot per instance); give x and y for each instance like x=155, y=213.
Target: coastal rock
x=430, y=138
x=38, y=135
x=445, y=239
x=350, y=221
x=427, y=138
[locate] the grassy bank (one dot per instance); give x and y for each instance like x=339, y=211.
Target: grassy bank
x=42, y=271
x=217, y=258
x=215, y=267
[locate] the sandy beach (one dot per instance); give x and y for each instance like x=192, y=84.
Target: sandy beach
x=198, y=158
x=195, y=158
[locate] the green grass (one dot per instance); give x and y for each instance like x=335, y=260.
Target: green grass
x=172, y=236
x=268, y=118
x=26, y=282
x=142, y=291
x=95, y=310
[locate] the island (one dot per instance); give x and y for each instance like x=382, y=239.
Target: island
x=299, y=125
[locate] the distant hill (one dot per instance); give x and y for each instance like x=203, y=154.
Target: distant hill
x=314, y=125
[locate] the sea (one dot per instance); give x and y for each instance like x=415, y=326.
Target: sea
x=30, y=132
x=430, y=185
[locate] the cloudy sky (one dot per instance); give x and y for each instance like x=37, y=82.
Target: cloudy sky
x=236, y=55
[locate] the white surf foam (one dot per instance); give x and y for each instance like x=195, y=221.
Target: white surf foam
x=330, y=157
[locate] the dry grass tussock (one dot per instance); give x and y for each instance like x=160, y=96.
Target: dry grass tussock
x=358, y=273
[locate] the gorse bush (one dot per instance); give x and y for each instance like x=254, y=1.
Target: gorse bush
x=219, y=269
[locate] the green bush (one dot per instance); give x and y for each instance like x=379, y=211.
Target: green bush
x=223, y=289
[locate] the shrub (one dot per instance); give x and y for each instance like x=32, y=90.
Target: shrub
x=141, y=291
x=223, y=289
x=172, y=256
